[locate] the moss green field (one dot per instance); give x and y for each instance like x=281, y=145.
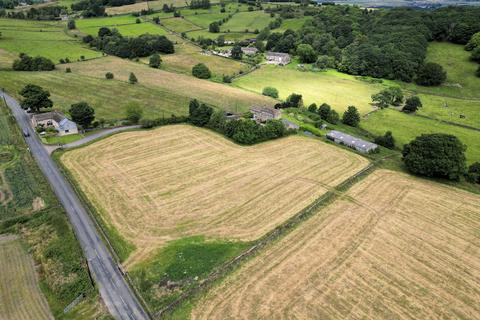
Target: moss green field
x=126, y=25
x=293, y=24
x=247, y=20
x=47, y=39
x=406, y=127
x=337, y=89
x=179, y=25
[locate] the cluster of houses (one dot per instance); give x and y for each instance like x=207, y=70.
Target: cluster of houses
x=57, y=120
x=278, y=58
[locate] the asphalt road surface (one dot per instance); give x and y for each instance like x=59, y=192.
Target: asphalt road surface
x=117, y=295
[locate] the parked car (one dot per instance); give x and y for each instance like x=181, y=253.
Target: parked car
x=26, y=133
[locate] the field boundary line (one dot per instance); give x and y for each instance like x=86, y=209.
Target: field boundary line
x=269, y=238
x=464, y=126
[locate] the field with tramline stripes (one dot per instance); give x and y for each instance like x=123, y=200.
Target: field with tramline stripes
x=20, y=295
x=179, y=181
x=392, y=247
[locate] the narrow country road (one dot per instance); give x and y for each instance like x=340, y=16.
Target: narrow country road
x=117, y=295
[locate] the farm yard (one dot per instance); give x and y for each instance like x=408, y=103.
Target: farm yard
x=245, y=199
x=20, y=293
x=393, y=247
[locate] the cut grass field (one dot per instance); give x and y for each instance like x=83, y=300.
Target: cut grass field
x=406, y=127
x=126, y=25
x=393, y=247
x=180, y=181
x=179, y=25
x=42, y=38
x=220, y=95
x=292, y=24
x=20, y=294
x=232, y=36
x=337, y=89
x=159, y=92
x=188, y=55
x=250, y=20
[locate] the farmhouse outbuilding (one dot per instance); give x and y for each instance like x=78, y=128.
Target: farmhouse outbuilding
x=57, y=120
x=249, y=51
x=262, y=114
x=290, y=125
x=352, y=142
x=278, y=58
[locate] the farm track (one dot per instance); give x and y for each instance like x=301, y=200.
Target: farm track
x=388, y=249
x=20, y=294
x=156, y=172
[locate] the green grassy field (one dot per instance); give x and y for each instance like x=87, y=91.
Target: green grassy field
x=233, y=36
x=179, y=25
x=461, y=80
x=187, y=55
x=293, y=24
x=46, y=39
x=126, y=25
x=335, y=88
x=406, y=127
x=247, y=20
x=204, y=20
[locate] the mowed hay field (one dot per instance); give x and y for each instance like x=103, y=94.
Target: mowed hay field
x=395, y=247
x=20, y=295
x=216, y=94
x=177, y=181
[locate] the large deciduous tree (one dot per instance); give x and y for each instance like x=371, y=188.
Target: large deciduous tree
x=351, y=117
x=435, y=155
x=35, y=98
x=412, y=104
x=306, y=53
x=82, y=114
x=431, y=74
x=201, y=71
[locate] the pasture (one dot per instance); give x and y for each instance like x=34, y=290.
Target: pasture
x=292, y=24
x=178, y=85
x=20, y=294
x=249, y=20
x=179, y=25
x=126, y=25
x=203, y=20
x=42, y=38
x=393, y=247
x=187, y=55
x=406, y=127
x=233, y=36
x=179, y=181
x=335, y=88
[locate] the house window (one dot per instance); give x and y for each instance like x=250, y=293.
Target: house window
x=67, y=131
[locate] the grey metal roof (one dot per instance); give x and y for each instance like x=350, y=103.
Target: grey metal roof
x=351, y=140
x=66, y=124
x=278, y=54
x=290, y=123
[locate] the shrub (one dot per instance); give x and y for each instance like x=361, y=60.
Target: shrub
x=132, y=79
x=270, y=92
x=71, y=24
x=109, y=75
x=435, y=155
x=431, y=74
x=312, y=108
x=293, y=101
x=478, y=72
x=386, y=140
x=68, y=70
x=227, y=79
x=306, y=53
x=27, y=63
x=133, y=113
x=473, y=173
x=333, y=117
x=201, y=71
x=237, y=52
x=214, y=27
x=138, y=20
x=199, y=114
x=156, y=20
x=412, y=104
x=155, y=61
x=351, y=117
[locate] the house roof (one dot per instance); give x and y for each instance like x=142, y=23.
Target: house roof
x=66, y=124
x=57, y=116
x=273, y=112
x=351, y=140
x=278, y=54
x=290, y=123
x=249, y=49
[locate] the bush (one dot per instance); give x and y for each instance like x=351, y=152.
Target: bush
x=237, y=52
x=199, y=114
x=227, y=79
x=68, y=70
x=109, y=75
x=133, y=113
x=475, y=54
x=27, y=63
x=293, y=101
x=132, y=79
x=435, y=155
x=431, y=74
x=351, y=117
x=478, y=72
x=312, y=108
x=71, y=24
x=412, y=104
x=155, y=61
x=138, y=20
x=201, y=71
x=270, y=92
x=214, y=27
x=473, y=173
x=386, y=140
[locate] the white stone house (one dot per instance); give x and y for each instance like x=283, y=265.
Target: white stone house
x=279, y=58
x=249, y=51
x=57, y=120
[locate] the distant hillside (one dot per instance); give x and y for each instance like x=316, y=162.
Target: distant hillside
x=408, y=3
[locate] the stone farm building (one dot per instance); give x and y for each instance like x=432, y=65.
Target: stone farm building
x=278, y=58
x=57, y=120
x=352, y=142
x=262, y=114
x=249, y=51
x=290, y=125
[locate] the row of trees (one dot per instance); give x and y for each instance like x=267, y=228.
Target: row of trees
x=394, y=96
x=96, y=8
x=112, y=42
x=243, y=131
x=41, y=13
